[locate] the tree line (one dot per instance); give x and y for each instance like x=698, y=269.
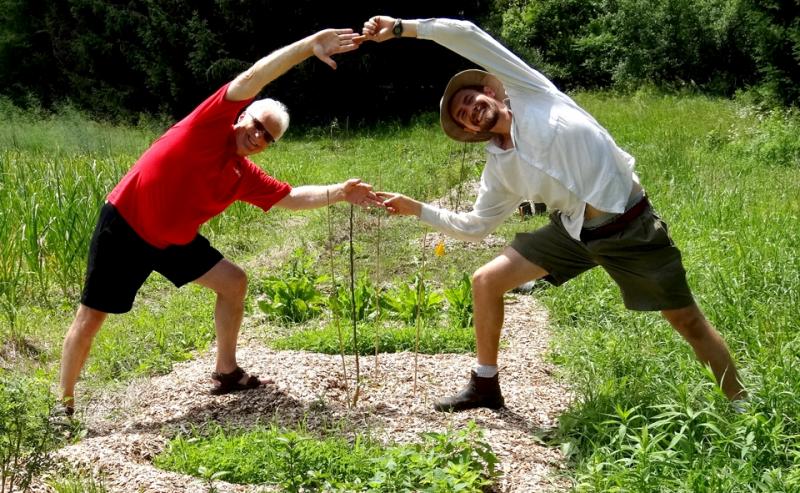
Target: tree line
x=122, y=58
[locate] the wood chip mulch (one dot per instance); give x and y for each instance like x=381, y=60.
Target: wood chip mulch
x=128, y=428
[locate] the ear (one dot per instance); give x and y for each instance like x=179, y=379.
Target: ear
x=489, y=92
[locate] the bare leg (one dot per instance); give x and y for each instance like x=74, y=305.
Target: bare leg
x=229, y=281
x=489, y=283
x=77, y=343
x=708, y=346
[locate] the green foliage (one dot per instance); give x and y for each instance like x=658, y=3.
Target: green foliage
x=147, y=341
x=720, y=46
x=367, y=299
x=291, y=300
x=293, y=297
x=121, y=58
x=408, y=302
x=648, y=417
x=433, y=340
x=75, y=481
x=776, y=45
x=294, y=460
x=26, y=436
x=459, y=300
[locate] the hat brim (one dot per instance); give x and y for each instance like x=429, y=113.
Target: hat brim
x=471, y=77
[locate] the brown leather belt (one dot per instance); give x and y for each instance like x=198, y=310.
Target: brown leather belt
x=617, y=224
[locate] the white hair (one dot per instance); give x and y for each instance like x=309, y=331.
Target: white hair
x=274, y=108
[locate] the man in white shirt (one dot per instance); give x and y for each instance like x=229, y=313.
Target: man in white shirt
x=544, y=148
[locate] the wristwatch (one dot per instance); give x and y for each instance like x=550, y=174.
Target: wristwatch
x=397, y=29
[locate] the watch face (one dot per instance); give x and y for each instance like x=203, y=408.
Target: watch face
x=397, y=30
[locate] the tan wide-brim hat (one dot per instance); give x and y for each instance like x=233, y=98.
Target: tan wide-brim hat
x=472, y=77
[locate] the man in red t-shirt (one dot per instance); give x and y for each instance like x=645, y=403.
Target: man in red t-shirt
x=189, y=175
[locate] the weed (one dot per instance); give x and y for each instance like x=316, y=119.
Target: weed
x=26, y=435
x=408, y=302
x=293, y=297
x=295, y=460
x=366, y=301
x=459, y=300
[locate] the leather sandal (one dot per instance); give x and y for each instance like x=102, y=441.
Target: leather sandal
x=225, y=383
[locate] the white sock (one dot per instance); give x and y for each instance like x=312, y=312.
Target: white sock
x=486, y=371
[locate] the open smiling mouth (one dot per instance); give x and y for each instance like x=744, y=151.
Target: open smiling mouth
x=477, y=116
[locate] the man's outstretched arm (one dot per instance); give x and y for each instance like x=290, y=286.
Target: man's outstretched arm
x=322, y=44
x=313, y=196
x=469, y=41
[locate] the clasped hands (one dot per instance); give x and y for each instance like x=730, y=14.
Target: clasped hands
x=359, y=193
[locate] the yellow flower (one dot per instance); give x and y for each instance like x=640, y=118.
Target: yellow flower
x=439, y=249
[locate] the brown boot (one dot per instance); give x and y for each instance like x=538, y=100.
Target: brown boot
x=479, y=392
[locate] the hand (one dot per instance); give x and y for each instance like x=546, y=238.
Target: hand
x=378, y=28
x=398, y=204
x=360, y=194
x=332, y=42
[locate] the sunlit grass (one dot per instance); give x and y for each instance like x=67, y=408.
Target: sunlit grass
x=647, y=417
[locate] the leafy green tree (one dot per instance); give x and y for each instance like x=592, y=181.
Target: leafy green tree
x=776, y=44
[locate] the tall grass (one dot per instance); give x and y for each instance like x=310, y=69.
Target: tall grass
x=648, y=417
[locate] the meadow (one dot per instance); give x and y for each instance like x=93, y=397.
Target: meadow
x=646, y=418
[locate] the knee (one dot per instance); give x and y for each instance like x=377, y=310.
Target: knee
x=236, y=285
x=691, y=323
x=484, y=282
x=87, y=323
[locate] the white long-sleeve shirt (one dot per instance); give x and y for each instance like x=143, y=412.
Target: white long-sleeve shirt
x=560, y=156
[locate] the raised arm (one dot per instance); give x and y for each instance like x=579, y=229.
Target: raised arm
x=314, y=196
x=469, y=41
x=323, y=45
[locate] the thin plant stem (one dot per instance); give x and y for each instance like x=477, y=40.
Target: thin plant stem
x=353, y=308
x=460, y=191
x=419, y=321
x=335, y=293
x=378, y=279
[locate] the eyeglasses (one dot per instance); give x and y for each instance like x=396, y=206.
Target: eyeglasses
x=261, y=129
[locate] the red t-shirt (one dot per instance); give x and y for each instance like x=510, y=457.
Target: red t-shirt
x=191, y=174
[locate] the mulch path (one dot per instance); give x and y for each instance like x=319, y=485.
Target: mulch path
x=128, y=427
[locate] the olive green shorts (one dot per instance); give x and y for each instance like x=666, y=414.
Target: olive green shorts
x=642, y=260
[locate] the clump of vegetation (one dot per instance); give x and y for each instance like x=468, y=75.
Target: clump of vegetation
x=459, y=300
x=295, y=460
x=26, y=434
x=293, y=296
x=366, y=298
x=390, y=339
x=408, y=302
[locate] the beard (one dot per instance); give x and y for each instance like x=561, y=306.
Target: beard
x=489, y=118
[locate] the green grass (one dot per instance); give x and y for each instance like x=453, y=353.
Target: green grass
x=647, y=417
x=296, y=460
x=391, y=339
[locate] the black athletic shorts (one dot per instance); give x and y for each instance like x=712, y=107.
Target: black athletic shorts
x=120, y=261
